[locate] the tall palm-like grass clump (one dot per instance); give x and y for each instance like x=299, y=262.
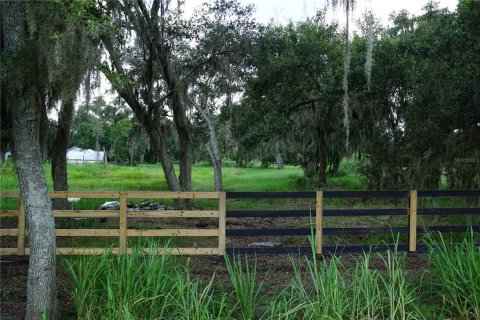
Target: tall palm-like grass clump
x=456, y=275
x=248, y=291
x=329, y=290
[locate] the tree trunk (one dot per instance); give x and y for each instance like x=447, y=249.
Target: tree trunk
x=278, y=156
x=41, y=289
x=59, y=153
x=213, y=149
x=44, y=132
x=322, y=158
x=25, y=105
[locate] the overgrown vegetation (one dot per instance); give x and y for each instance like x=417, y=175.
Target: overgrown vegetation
x=161, y=287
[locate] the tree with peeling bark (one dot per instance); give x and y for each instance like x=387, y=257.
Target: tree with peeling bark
x=39, y=66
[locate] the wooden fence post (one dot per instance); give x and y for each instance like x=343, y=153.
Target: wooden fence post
x=319, y=223
x=222, y=213
x=123, y=223
x=21, y=227
x=412, y=222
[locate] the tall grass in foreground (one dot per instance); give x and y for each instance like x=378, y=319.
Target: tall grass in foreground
x=137, y=286
x=331, y=291
x=455, y=274
x=159, y=287
x=247, y=290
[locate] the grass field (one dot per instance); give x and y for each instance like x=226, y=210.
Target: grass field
x=150, y=177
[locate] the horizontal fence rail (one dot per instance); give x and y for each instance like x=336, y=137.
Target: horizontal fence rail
x=317, y=230
x=123, y=232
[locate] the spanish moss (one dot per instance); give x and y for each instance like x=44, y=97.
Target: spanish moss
x=369, y=52
x=346, y=69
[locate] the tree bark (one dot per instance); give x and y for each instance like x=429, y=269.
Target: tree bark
x=213, y=149
x=59, y=153
x=278, y=156
x=26, y=107
x=322, y=157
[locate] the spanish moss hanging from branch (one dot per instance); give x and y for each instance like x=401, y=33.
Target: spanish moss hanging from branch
x=369, y=20
x=346, y=69
x=348, y=6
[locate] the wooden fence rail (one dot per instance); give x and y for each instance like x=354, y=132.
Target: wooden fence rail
x=319, y=214
x=123, y=232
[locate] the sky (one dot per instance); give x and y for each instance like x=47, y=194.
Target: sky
x=284, y=11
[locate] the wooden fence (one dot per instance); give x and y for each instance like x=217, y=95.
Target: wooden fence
x=123, y=232
x=319, y=215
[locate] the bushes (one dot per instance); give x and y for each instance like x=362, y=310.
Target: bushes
x=159, y=287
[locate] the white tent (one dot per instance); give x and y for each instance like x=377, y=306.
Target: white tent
x=77, y=155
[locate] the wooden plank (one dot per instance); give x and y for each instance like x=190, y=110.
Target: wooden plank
x=84, y=194
x=98, y=251
x=173, y=233
x=173, y=214
x=8, y=251
x=275, y=250
x=184, y=251
x=391, y=230
x=447, y=211
x=8, y=232
x=365, y=194
x=86, y=213
x=319, y=223
x=308, y=231
x=222, y=209
x=8, y=213
x=21, y=228
x=269, y=232
x=173, y=195
x=412, y=222
x=365, y=248
x=330, y=250
x=448, y=229
x=270, y=195
x=87, y=232
x=364, y=212
x=268, y=213
x=449, y=193
x=10, y=194
x=123, y=223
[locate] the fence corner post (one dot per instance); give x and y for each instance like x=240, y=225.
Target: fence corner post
x=222, y=213
x=123, y=223
x=412, y=222
x=21, y=227
x=319, y=223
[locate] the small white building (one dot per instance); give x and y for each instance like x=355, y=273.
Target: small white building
x=77, y=155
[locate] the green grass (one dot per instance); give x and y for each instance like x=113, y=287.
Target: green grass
x=98, y=177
